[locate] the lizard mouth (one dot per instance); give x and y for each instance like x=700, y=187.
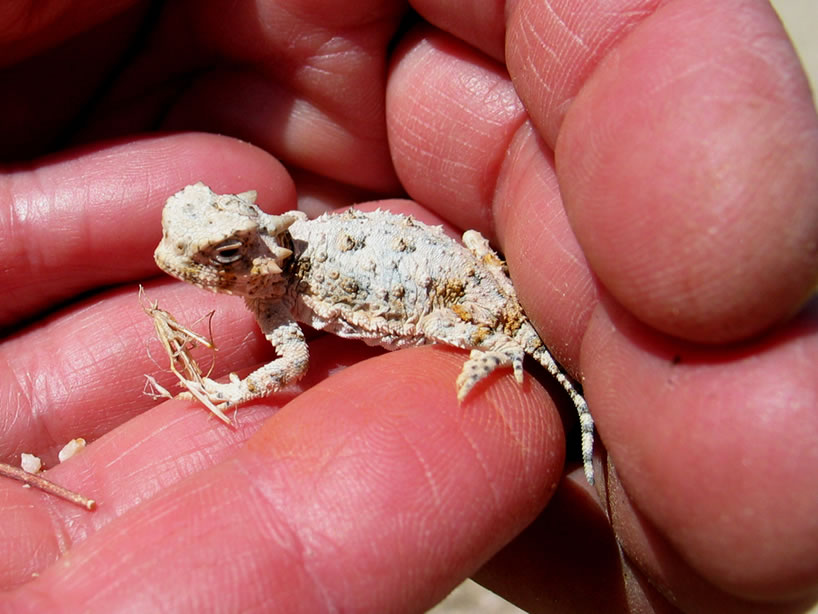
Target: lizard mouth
x=194, y=273
x=220, y=284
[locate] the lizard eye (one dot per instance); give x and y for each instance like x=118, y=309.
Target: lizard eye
x=227, y=252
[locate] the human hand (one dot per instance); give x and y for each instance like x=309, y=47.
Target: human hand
x=685, y=156
x=373, y=490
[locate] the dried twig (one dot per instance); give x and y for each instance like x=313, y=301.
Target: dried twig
x=36, y=481
x=179, y=341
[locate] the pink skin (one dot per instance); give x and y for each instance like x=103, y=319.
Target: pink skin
x=650, y=171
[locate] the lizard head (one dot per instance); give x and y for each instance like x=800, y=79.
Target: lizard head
x=224, y=243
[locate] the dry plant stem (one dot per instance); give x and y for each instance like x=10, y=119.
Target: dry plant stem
x=51, y=488
x=178, y=340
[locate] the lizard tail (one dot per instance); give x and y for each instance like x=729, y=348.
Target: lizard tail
x=586, y=422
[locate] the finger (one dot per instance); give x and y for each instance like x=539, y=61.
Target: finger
x=480, y=24
x=689, y=171
x=385, y=476
x=79, y=222
x=462, y=147
x=26, y=28
x=732, y=430
x=128, y=465
x=302, y=80
x=313, y=94
x=61, y=57
x=571, y=541
x=82, y=372
x=448, y=135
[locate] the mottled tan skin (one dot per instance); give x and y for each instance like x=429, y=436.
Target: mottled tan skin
x=383, y=278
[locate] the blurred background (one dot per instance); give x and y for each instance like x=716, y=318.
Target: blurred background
x=800, y=18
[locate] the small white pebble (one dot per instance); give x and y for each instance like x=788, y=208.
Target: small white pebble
x=30, y=463
x=71, y=448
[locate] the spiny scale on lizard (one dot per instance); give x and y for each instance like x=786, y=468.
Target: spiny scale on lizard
x=380, y=277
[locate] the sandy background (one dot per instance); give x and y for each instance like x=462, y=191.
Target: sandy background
x=800, y=17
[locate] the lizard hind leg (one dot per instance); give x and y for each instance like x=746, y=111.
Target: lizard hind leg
x=482, y=363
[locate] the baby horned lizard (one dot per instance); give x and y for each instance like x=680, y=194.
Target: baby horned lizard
x=380, y=277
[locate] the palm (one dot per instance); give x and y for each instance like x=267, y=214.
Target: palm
x=373, y=489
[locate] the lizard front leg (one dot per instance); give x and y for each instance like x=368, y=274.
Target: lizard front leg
x=286, y=336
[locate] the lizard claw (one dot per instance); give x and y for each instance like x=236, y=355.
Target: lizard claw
x=217, y=397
